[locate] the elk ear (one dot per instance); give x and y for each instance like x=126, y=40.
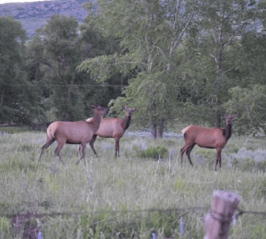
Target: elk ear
x=234, y=115
x=224, y=114
x=92, y=107
x=136, y=109
x=124, y=107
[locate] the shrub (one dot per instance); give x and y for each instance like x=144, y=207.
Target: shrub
x=5, y=224
x=249, y=148
x=206, y=156
x=262, y=188
x=135, y=148
x=154, y=152
x=234, y=162
x=26, y=148
x=261, y=165
x=209, y=154
x=170, y=143
x=231, y=148
x=248, y=164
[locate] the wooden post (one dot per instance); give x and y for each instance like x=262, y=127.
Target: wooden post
x=217, y=221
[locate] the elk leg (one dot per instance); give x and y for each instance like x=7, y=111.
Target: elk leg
x=78, y=152
x=92, y=142
x=46, y=145
x=188, y=153
x=182, y=151
x=83, y=147
x=116, y=147
x=218, y=158
x=94, y=138
x=58, y=149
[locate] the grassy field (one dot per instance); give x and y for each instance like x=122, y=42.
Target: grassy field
x=132, y=196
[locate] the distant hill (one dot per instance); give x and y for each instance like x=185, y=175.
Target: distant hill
x=35, y=14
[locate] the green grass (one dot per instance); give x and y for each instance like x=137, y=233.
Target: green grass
x=12, y=129
x=124, y=194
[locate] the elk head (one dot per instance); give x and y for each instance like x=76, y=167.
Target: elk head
x=229, y=118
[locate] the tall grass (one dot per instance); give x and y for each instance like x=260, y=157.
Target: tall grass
x=126, y=197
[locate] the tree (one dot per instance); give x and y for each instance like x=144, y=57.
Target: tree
x=250, y=105
x=54, y=54
x=94, y=44
x=20, y=101
x=55, y=47
x=254, y=57
x=150, y=33
x=218, y=54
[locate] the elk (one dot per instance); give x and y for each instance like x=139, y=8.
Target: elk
x=112, y=128
x=215, y=138
x=80, y=132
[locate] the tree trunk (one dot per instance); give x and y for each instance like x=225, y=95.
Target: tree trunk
x=122, y=82
x=161, y=127
x=154, y=131
x=153, y=122
x=2, y=98
x=218, y=120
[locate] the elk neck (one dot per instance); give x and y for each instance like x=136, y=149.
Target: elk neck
x=127, y=120
x=228, y=131
x=96, y=120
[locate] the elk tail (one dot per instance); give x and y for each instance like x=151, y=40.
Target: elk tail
x=185, y=130
x=89, y=119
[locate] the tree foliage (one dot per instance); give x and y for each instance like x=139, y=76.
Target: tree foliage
x=150, y=33
x=250, y=103
x=183, y=56
x=54, y=47
x=217, y=56
x=58, y=50
x=19, y=101
x=173, y=59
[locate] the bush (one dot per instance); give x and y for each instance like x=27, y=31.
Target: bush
x=262, y=188
x=261, y=165
x=154, y=152
x=231, y=148
x=5, y=224
x=209, y=154
x=26, y=148
x=170, y=143
x=206, y=156
x=248, y=164
x=234, y=162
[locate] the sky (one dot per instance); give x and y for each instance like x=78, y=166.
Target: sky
x=9, y=1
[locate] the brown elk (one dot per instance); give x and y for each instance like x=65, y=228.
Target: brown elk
x=215, y=138
x=113, y=128
x=80, y=132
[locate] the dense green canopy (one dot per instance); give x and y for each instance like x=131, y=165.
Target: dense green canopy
x=172, y=59
x=19, y=101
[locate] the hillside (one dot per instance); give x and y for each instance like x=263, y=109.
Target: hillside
x=35, y=14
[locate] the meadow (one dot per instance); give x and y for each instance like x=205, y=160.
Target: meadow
x=132, y=196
